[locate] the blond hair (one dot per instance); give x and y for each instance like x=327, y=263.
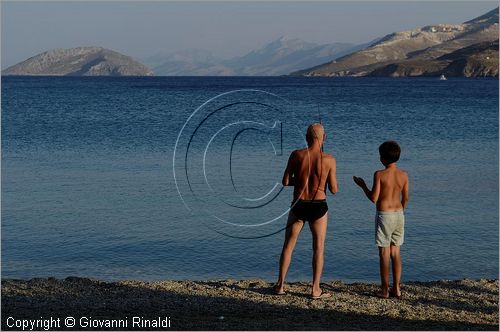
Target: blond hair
x=315, y=131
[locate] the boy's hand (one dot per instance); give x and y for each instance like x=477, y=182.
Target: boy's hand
x=359, y=181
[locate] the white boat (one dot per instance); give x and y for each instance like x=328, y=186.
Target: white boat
x=443, y=78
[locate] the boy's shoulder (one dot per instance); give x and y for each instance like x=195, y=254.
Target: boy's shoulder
x=402, y=171
x=385, y=170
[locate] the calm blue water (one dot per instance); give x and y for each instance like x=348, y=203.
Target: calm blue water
x=88, y=183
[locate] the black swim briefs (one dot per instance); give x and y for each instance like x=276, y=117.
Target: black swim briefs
x=309, y=210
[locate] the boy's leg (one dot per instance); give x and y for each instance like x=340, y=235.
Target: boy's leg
x=318, y=230
x=384, y=254
x=294, y=226
x=396, y=269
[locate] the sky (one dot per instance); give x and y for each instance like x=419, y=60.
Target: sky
x=146, y=28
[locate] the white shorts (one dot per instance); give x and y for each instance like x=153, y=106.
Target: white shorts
x=389, y=228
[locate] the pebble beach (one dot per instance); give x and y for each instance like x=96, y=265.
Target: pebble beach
x=249, y=305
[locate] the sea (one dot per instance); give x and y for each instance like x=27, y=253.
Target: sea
x=179, y=178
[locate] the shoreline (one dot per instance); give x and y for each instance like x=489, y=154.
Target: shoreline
x=249, y=304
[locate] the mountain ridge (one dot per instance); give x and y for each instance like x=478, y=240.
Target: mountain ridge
x=423, y=43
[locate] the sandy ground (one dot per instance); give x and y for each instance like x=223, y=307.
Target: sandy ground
x=249, y=305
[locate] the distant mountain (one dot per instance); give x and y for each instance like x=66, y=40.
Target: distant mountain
x=279, y=57
x=395, y=53
x=80, y=61
x=285, y=54
x=190, y=62
x=191, y=55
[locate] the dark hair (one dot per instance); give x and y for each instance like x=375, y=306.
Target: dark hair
x=389, y=151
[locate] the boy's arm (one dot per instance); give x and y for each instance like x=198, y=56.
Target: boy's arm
x=288, y=178
x=371, y=194
x=405, y=195
x=332, y=177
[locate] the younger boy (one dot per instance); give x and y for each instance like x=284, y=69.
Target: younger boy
x=390, y=194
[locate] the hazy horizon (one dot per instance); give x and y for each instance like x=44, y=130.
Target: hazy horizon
x=142, y=29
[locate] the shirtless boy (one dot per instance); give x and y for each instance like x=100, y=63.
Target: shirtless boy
x=309, y=171
x=390, y=194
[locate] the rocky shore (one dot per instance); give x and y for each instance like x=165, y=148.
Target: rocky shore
x=250, y=305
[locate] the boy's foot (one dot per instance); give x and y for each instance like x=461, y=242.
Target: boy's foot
x=322, y=295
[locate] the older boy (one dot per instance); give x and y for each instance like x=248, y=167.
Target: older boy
x=390, y=194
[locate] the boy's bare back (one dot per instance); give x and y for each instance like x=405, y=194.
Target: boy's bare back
x=390, y=188
x=390, y=191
